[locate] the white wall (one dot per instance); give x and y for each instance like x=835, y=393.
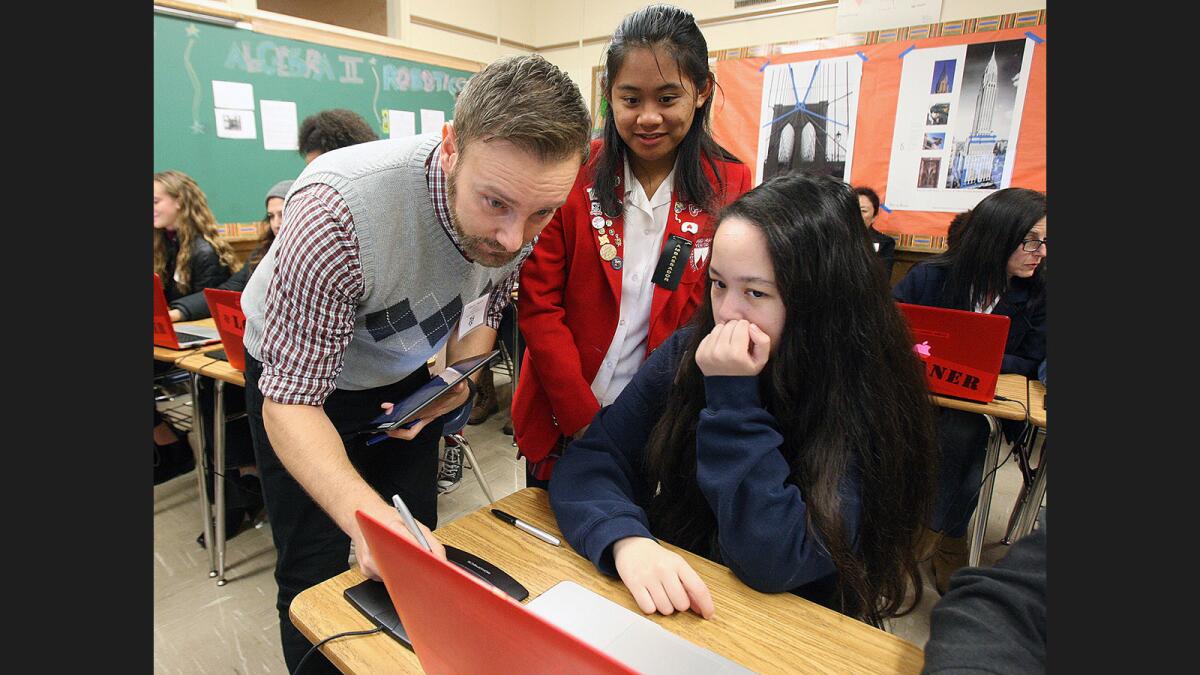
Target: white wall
x=559, y=21
x=550, y=22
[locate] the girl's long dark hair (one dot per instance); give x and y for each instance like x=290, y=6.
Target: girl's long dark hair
x=843, y=385
x=976, y=263
x=676, y=31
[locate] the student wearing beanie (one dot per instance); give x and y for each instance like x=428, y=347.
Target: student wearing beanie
x=194, y=306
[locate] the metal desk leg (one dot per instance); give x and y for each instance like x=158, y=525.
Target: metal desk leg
x=201, y=472
x=1024, y=454
x=475, y=468
x=1036, y=493
x=985, y=491
x=219, y=480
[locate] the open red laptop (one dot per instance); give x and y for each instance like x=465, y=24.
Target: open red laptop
x=962, y=351
x=165, y=334
x=459, y=624
x=226, y=309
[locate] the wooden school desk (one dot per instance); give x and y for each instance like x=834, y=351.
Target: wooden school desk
x=173, y=355
x=1014, y=388
x=768, y=633
x=200, y=364
x=1028, y=507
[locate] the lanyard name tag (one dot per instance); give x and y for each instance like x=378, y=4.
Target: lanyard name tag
x=473, y=315
x=672, y=262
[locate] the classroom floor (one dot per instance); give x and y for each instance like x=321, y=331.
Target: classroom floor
x=202, y=628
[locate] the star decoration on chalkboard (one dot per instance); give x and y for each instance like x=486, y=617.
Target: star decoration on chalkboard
x=191, y=30
x=197, y=128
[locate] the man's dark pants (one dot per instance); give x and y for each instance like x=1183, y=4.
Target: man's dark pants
x=311, y=547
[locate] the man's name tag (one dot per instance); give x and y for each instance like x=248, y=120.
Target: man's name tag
x=672, y=262
x=473, y=315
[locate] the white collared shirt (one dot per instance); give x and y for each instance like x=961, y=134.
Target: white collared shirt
x=645, y=222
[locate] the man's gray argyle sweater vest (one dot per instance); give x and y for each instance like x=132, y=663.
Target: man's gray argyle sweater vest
x=416, y=282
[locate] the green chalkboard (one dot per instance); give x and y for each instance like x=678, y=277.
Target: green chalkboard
x=235, y=174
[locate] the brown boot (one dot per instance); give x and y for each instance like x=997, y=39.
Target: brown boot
x=925, y=546
x=951, y=555
x=486, y=404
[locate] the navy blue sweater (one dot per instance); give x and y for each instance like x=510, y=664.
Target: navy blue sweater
x=599, y=491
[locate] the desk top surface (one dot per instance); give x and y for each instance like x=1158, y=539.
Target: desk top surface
x=765, y=632
x=1009, y=385
x=218, y=369
x=1037, y=403
x=173, y=355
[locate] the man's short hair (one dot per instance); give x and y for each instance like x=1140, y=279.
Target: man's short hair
x=527, y=101
x=333, y=129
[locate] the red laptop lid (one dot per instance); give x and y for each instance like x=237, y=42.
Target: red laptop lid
x=459, y=624
x=164, y=332
x=962, y=351
x=226, y=309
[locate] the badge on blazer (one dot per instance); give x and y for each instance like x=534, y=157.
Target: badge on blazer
x=596, y=209
x=591, y=193
x=678, y=207
x=608, y=252
x=700, y=252
x=690, y=228
x=617, y=263
x=694, y=210
x=598, y=223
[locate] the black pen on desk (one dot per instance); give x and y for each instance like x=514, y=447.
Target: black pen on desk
x=522, y=525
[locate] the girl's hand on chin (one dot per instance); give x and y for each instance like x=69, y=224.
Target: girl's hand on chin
x=737, y=348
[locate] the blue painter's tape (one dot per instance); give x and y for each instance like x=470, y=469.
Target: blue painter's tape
x=885, y=208
x=764, y=66
x=1033, y=36
x=906, y=51
x=861, y=56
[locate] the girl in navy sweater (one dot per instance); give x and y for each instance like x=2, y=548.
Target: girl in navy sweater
x=786, y=432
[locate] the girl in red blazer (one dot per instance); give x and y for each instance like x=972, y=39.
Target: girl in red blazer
x=622, y=263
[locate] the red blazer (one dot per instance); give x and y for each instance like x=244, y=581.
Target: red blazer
x=570, y=299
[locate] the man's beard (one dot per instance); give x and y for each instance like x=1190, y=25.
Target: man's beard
x=486, y=252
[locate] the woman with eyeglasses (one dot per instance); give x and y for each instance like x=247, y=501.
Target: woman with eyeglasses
x=997, y=266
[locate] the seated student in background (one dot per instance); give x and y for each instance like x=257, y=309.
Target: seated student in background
x=786, y=432
x=592, y=305
x=995, y=265
x=188, y=255
x=195, y=306
x=885, y=246
x=332, y=129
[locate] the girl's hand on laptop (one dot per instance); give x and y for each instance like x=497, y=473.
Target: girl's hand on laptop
x=736, y=348
x=660, y=580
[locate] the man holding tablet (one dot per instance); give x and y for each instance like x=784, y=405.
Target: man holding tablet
x=390, y=250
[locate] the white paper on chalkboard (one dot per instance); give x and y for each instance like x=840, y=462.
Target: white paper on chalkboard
x=432, y=120
x=233, y=95
x=235, y=123
x=279, y=125
x=401, y=123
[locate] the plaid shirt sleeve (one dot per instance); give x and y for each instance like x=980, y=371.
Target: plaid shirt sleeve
x=500, y=297
x=311, y=299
